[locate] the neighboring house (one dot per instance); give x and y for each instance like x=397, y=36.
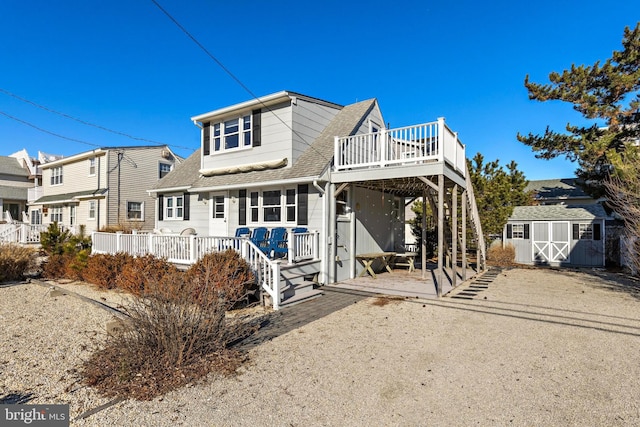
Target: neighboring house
x=558, y=235
x=561, y=191
x=105, y=187
x=290, y=160
x=15, y=180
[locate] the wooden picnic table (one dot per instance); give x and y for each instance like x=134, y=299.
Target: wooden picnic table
x=368, y=259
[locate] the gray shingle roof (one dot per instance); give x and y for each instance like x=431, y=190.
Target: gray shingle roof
x=311, y=163
x=561, y=188
x=70, y=196
x=558, y=212
x=13, y=193
x=11, y=166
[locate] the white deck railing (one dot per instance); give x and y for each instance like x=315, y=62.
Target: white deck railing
x=189, y=249
x=21, y=233
x=429, y=142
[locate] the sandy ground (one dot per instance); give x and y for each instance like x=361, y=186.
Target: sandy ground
x=538, y=347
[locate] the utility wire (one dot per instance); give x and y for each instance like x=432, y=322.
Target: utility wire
x=48, y=131
x=233, y=76
x=6, y=92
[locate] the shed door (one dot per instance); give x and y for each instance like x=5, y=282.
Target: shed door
x=550, y=241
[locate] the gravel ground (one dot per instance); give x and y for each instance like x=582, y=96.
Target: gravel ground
x=539, y=347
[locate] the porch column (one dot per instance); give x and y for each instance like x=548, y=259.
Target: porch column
x=440, y=235
x=423, y=243
x=464, y=235
x=454, y=235
x=331, y=238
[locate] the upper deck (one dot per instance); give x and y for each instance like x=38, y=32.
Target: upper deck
x=426, y=149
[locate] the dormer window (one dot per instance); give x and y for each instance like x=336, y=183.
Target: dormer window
x=237, y=133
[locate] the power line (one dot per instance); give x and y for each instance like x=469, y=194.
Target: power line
x=6, y=92
x=236, y=79
x=48, y=131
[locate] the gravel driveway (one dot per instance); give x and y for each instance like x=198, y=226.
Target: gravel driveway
x=537, y=347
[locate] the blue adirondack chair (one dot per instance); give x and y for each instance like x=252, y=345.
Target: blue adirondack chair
x=299, y=230
x=260, y=237
x=277, y=242
x=243, y=232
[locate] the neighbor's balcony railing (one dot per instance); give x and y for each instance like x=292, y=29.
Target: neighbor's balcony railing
x=429, y=142
x=34, y=193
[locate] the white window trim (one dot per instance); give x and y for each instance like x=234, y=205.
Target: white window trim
x=585, y=229
x=173, y=207
x=90, y=210
x=141, y=210
x=59, y=176
x=520, y=231
x=241, y=131
x=92, y=165
x=56, y=211
x=283, y=207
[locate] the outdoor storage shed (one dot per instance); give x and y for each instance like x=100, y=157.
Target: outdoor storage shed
x=560, y=235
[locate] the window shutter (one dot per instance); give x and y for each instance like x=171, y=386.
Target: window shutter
x=160, y=207
x=257, y=122
x=526, y=231
x=576, y=231
x=509, y=231
x=242, y=207
x=206, y=145
x=596, y=231
x=185, y=202
x=303, y=204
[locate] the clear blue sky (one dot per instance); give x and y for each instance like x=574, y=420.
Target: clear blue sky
x=125, y=66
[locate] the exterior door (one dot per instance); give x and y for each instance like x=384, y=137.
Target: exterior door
x=550, y=241
x=218, y=215
x=343, y=257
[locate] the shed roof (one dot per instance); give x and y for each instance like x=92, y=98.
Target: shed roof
x=558, y=212
x=13, y=193
x=558, y=188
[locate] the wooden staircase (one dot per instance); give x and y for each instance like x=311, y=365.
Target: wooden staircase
x=474, y=217
x=299, y=283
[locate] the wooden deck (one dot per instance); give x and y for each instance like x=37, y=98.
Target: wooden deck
x=401, y=282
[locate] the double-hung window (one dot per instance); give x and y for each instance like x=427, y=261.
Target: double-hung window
x=232, y=134
x=56, y=175
x=135, y=211
x=274, y=206
x=56, y=214
x=164, y=168
x=92, y=166
x=92, y=209
x=174, y=207
x=271, y=206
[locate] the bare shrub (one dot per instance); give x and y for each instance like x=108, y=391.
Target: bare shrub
x=172, y=340
x=227, y=274
x=103, y=270
x=503, y=256
x=139, y=273
x=15, y=260
x=55, y=267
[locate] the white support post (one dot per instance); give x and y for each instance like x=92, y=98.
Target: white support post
x=193, y=253
x=276, y=284
x=316, y=244
x=441, y=131
x=441, y=254
x=290, y=247
x=118, y=241
x=150, y=243
x=336, y=152
x=382, y=145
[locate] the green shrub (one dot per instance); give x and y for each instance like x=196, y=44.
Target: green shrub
x=15, y=261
